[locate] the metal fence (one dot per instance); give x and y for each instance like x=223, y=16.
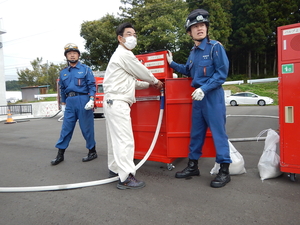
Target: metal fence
x=16, y=109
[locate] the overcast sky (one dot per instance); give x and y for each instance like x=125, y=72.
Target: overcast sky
x=40, y=28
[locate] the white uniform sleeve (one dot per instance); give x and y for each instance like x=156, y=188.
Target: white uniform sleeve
x=134, y=67
x=139, y=85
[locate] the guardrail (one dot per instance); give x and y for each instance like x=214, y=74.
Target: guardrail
x=266, y=80
x=234, y=82
x=44, y=96
x=16, y=109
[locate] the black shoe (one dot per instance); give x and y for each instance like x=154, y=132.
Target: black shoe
x=112, y=174
x=131, y=183
x=90, y=156
x=191, y=170
x=222, y=177
x=59, y=158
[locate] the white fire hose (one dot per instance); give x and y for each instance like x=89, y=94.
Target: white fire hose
x=97, y=182
x=109, y=180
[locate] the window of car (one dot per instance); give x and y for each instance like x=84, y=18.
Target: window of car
x=252, y=95
x=100, y=88
x=240, y=94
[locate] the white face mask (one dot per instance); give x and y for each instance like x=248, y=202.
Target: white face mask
x=130, y=42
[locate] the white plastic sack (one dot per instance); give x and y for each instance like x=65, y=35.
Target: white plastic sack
x=236, y=167
x=269, y=162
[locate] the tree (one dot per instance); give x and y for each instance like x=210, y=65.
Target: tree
x=246, y=28
x=281, y=12
x=101, y=41
x=42, y=74
x=26, y=77
x=160, y=26
x=255, y=33
x=13, y=85
x=251, y=28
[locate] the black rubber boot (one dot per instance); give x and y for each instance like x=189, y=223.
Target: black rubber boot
x=91, y=155
x=222, y=177
x=191, y=170
x=59, y=158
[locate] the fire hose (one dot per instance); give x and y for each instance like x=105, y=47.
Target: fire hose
x=97, y=182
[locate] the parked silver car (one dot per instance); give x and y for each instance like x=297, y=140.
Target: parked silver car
x=248, y=98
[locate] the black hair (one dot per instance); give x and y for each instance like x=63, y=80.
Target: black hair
x=121, y=28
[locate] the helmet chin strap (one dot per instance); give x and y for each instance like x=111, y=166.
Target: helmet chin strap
x=199, y=40
x=72, y=61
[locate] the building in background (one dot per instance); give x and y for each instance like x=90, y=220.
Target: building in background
x=30, y=93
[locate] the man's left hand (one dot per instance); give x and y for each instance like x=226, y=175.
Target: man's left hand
x=198, y=94
x=89, y=105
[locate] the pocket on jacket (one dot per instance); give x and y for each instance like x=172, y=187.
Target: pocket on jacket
x=79, y=80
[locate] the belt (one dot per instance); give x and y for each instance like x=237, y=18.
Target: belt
x=72, y=94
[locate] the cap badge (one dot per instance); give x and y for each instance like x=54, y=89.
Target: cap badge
x=199, y=18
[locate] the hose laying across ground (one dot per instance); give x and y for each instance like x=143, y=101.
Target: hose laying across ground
x=92, y=183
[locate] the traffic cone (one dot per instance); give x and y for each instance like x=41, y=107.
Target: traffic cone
x=9, y=118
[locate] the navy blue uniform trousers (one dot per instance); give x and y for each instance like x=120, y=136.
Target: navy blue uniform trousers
x=210, y=112
x=75, y=111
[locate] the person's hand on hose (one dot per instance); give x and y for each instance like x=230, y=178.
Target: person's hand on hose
x=198, y=94
x=90, y=104
x=169, y=57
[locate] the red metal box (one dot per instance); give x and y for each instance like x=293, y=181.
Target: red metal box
x=157, y=63
x=174, y=136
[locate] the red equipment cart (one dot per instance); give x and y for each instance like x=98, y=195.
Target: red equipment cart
x=289, y=97
x=174, y=137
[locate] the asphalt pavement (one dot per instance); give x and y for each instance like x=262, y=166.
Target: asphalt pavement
x=27, y=147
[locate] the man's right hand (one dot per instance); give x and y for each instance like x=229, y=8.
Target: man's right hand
x=63, y=108
x=159, y=85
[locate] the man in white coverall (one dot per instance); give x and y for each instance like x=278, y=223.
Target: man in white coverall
x=124, y=74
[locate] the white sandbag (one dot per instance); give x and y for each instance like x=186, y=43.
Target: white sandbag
x=236, y=167
x=269, y=162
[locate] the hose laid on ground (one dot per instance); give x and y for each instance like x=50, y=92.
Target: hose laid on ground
x=263, y=116
x=97, y=182
x=250, y=138
x=247, y=139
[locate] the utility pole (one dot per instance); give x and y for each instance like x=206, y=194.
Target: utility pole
x=2, y=76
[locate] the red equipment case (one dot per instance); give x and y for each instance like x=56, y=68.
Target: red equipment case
x=157, y=63
x=174, y=137
x=289, y=97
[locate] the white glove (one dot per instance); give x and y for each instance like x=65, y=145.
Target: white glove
x=89, y=105
x=198, y=94
x=169, y=57
x=63, y=108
